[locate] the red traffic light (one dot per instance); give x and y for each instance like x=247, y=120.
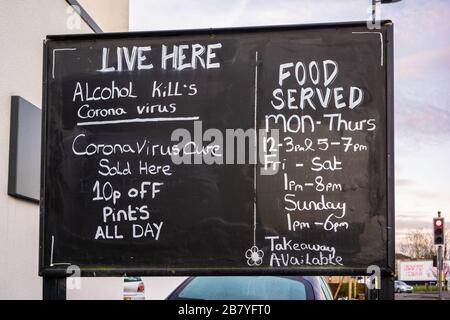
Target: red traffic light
x=438, y=226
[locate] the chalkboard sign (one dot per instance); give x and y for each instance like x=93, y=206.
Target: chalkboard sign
x=229, y=151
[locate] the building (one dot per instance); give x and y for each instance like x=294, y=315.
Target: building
x=24, y=25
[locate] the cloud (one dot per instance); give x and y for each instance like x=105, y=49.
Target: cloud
x=180, y=14
x=419, y=25
x=418, y=120
x=406, y=224
x=404, y=182
x=429, y=194
x=423, y=62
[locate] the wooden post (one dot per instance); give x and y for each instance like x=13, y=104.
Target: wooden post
x=350, y=288
x=338, y=288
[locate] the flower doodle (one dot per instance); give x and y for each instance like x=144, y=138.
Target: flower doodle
x=254, y=256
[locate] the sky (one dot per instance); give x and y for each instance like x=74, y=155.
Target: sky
x=422, y=78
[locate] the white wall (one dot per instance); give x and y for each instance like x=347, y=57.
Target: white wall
x=23, y=26
x=95, y=288
x=158, y=288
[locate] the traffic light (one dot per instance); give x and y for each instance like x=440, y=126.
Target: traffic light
x=438, y=226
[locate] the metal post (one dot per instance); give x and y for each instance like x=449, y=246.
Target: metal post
x=374, y=11
x=387, y=288
x=440, y=269
x=53, y=288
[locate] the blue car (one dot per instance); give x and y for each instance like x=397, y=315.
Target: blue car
x=253, y=288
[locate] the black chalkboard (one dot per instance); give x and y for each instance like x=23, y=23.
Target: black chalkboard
x=318, y=200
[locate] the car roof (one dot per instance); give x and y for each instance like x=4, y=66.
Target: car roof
x=311, y=279
x=314, y=282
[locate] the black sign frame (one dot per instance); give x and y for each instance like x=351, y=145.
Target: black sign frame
x=62, y=270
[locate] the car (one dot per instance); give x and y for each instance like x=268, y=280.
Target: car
x=401, y=287
x=133, y=288
x=252, y=288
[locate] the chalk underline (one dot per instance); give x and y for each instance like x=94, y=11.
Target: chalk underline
x=137, y=120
